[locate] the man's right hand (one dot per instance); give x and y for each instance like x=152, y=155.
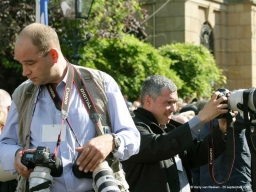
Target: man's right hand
x=213, y=108
x=22, y=169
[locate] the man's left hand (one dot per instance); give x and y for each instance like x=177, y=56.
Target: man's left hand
x=94, y=152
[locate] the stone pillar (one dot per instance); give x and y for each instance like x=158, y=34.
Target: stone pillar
x=239, y=46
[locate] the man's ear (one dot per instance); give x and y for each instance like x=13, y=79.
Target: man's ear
x=147, y=100
x=55, y=55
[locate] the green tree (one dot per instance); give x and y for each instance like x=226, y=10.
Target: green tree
x=109, y=19
x=129, y=61
x=13, y=17
x=196, y=66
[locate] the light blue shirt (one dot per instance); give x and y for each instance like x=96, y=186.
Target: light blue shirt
x=47, y=114
x=195, y=126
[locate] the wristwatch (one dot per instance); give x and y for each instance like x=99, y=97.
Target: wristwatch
x=117, y=142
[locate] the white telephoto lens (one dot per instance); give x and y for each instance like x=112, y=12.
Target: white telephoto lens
x=38, y=176
x=104, y=180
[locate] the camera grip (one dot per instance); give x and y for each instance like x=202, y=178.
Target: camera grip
x=80, y=174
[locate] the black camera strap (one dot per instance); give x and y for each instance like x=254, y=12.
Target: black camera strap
x=41, y=186
x=230, y=151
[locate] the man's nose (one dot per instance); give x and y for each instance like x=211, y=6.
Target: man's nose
x=25, y=71
x=172, y=108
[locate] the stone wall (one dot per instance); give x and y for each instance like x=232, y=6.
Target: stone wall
x=234, y=32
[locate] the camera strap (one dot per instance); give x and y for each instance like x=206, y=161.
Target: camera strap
x=41, y=186
x=230, y=151
x=63, y=105
x=88, y=102
x=95, y=117
x=74, y=76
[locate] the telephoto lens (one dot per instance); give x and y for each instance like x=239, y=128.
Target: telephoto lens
x=40, y=179
x=103, y=179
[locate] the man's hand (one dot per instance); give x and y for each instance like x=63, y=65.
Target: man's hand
x=22, y=169
x=213, y=108
x=94, y=152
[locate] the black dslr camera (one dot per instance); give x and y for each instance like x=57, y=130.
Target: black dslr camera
x=223, y=93
x=42, y=157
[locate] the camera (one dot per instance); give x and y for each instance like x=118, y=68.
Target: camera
x=42, y=157
x=45, y=167
x=80, y=174
x=103, y=177
x=236, y=100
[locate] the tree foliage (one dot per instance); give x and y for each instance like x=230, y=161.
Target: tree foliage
x=128, y=61
x=124, y=57
x=196, y=66
x=13, y=17
x=108, y=19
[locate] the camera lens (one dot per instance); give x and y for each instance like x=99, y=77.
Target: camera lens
x=40, y=179
x=103, y=179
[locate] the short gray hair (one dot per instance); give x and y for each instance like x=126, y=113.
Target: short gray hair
x=153, y=86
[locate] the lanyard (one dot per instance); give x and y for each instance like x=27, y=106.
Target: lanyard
x=63, y=105
x=74, y=76
x=88, y=102
x=230, y=151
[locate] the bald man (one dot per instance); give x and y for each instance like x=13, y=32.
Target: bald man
x=52, y=107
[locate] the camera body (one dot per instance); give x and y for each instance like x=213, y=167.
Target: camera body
x=103, y=177
x=42, y=157
x=235, y=100
x=80, y=174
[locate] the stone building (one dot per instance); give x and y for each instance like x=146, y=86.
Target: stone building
x=226, y=27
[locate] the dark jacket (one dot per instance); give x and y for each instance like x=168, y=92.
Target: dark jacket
x=153, y=169
x=240, y=177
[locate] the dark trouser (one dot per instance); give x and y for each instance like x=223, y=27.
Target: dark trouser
x=8, y=186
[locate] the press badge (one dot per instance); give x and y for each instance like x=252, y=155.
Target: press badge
x=50, y=133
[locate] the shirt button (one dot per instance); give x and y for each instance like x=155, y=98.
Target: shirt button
x=173, y=140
